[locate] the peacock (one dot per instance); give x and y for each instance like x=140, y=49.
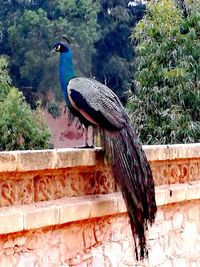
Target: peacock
x=96, y=105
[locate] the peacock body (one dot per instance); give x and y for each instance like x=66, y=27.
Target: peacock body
x=95, y=104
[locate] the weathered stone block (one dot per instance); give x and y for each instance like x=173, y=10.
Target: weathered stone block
x=156, y=255
x=88, y=236
x=193, y=264
x=179, y=263
x=176, y=193
x=53, y=255
x=28, y=260
x=177, y=221
x=161, y=195
x=10, y=221
x=37, y=241
x=153, y=232
x=74, y=210
x=75, y=158
x=97, y=257
x=159, y=216
x=102, y=206
x=120, y=203
x=113, y=252
x=35, y=160
x=189, y=238
x=19, y=241
x=193, y=191
x=103, y=230
x=8, y=161
x=8, y=244
x=167, y=263
x=40, y=217
x=194, y=213
x=165, y=228
x=6, y=261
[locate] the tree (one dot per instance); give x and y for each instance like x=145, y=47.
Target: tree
x=29, y=32
x=112, y=62
x=166, y=106
x=20, y=127
x=84, y=31
x=34, y=28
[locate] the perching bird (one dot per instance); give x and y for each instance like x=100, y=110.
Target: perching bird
x=95, y=104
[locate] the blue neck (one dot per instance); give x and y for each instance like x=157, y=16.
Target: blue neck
x=66, y=72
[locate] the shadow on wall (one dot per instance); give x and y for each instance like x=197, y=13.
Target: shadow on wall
x=64, y=133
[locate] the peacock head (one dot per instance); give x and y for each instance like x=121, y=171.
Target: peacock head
x=62, y=46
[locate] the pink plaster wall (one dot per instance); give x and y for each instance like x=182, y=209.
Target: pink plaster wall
x=62, y=134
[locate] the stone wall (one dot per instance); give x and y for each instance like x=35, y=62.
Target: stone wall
x=61, y=208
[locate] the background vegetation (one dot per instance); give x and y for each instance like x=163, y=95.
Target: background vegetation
x=166, y=104
x=149, y=55
x=20, y=127
x=99, y=32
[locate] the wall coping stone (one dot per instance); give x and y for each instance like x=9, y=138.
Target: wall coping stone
x=70, y=209
x=172, y=152
x=36, y=160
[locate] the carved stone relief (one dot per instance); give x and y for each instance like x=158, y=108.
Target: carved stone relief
x=25, y=188
x=8, y=190
x=175, y=171
x=72, y=184
x=16, y=192
x=25, y=192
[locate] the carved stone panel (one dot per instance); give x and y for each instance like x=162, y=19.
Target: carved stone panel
x=72, y=184
x=18, y=188
x=25, y=191
x=16, y=192
x=172, y=172
x=8, y=191
x=43, y=188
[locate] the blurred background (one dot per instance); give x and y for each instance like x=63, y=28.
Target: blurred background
x=147, y=53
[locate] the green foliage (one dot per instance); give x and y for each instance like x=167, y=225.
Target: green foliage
x=29, y=40
x=166, y=106
x=29, y=31
x=99, y=32
x=84, y=30
x=112, y=62
x=20, y=127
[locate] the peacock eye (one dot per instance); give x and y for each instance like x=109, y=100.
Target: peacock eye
x=57, y=48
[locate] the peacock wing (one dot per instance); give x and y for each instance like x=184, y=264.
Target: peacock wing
x=97, y=103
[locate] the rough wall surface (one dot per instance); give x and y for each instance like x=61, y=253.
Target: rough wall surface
x=174, y=240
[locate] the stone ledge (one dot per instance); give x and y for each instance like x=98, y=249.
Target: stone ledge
x=172, y=152
x=65, y=210
x=36, y=160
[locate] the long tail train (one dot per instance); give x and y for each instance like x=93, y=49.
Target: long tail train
x=134, y=178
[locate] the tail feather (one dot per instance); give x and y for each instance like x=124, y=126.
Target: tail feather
x=134, y=178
